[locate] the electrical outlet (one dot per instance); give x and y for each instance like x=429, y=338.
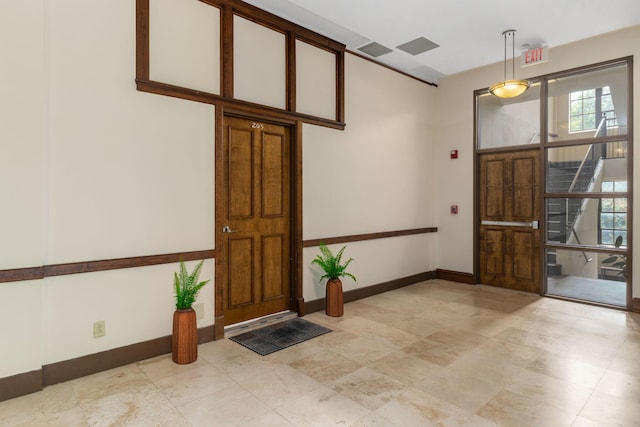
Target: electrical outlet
x=99, y=329
x=199, y=309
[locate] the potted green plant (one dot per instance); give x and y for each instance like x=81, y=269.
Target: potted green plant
x=333, y=271
x=184, y=342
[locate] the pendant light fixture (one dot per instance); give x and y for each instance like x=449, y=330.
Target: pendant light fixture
x=509, y=88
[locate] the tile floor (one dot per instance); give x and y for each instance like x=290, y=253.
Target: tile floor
x=432, y=354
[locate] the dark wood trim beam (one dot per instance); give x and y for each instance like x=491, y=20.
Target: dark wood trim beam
x=219, y=216
x=455, y=276
x=21, y=274
x=270, y=20
x=236, y=104
x=20, y=384
x=297, y=215
x=340, y=114
x=35, y=273
x=367, y=291
x=369, y=236
x=291, y=77
x=142, y=39
x=120, y=263
x=226, y=51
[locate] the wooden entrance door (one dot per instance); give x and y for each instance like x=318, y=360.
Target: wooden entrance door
x=509, y=214
x=255, y=253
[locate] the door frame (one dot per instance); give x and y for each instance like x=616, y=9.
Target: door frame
x=296, y=303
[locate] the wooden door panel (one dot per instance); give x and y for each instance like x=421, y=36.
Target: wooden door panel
x=510, y=193
x=273, y=175
x=524, y=181
x=494, y=249
x=241, y=167
x=274, y=272
x=493, y=189
x=240, y=267
x=523, y=255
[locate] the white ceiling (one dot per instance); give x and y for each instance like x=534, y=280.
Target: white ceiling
x=469, y=32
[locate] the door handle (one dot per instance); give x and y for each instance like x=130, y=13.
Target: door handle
x=533, y=224
x=227, y=229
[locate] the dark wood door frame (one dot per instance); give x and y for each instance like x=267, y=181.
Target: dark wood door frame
x=297, y=299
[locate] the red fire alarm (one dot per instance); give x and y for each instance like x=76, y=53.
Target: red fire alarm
x=454, y=209
x=454, y=154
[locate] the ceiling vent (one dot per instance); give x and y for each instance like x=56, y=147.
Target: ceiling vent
x=375, y=49
x=418, y=46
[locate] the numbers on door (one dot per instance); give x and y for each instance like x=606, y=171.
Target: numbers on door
x=257, y=125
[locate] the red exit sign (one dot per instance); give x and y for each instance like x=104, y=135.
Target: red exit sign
x=534, y=56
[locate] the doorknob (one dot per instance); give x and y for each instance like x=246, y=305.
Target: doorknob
x=227, y=229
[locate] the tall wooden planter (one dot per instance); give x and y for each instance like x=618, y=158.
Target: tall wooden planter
x=334, y=298
x=184, y=342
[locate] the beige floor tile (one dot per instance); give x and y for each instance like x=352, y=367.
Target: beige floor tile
x=279, y=385
x=609, y=410
x=107, y=383
x=194, y=383
x=551, y=391
x=366, y=349
x=405, y=367
x=36, y=407
x=163, y=366
x=231, y=406
x=245, y=365
x=466, y=392
x=326, y=366
x=132, y=406
x=415, y=408
x=218, y=351
x=69, y=418
x=368, y=387
x=512, y=409
x=567, y=369
x=322, y=407
x=620, y=385
x=374, y=420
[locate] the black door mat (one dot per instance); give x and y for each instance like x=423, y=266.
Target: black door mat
x=272, y=338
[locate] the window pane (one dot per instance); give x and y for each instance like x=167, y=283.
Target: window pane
x=620, y=221
x=620, y=186
x=584, y=276
x=508, y=122
x=588, y=121
x=607, y=205
x=607, y=186
x=565, y=90
x=620, y=205
x=607, y=237
x=606, y=220
x=579, y=168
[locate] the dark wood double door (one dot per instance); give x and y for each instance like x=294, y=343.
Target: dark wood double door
x=509, y=206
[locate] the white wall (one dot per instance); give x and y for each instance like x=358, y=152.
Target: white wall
x=377, y=175
x=455, y=108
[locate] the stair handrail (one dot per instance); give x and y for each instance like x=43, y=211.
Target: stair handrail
x=586, y=156
x=584, y=254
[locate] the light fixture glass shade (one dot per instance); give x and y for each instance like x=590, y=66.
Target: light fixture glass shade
x=509, y=88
